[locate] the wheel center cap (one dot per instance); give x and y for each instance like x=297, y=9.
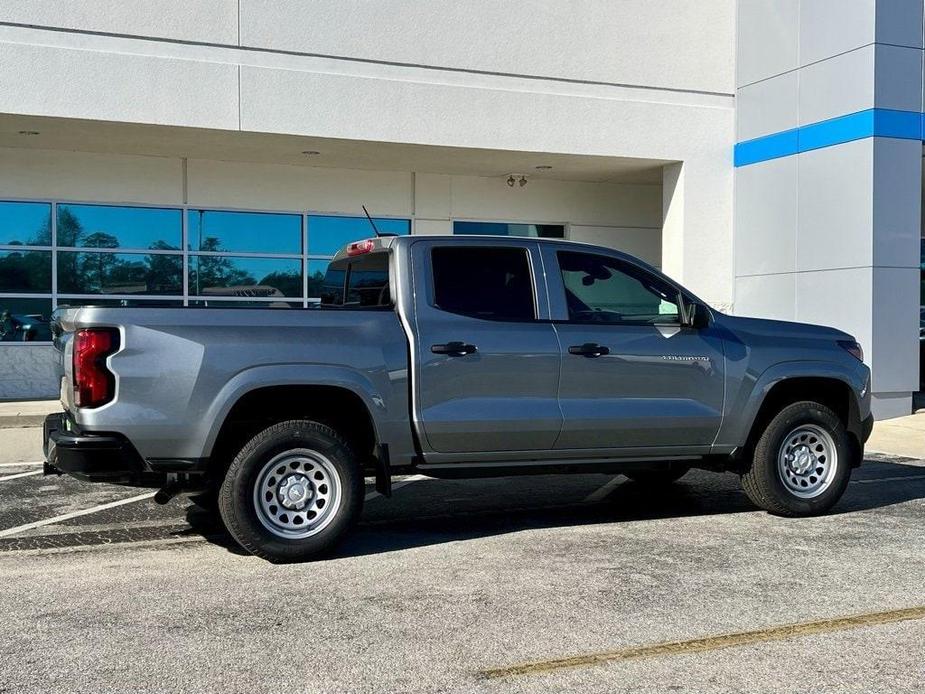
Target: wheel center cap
x=802, y=461
x=295, y=491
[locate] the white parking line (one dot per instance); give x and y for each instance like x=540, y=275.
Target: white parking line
x=22, y=464
x=398, y=485
x=74, y=514
x=20, y=474
x=602, y=491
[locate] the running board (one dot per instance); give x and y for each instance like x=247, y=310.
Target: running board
x=544, y=467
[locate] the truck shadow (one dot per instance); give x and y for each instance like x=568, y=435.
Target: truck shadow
x=432, y=512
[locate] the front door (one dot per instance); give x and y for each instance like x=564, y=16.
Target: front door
x=632, y=375
x=486, y=366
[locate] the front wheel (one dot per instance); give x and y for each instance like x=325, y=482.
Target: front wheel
x=802, y=462
x=292, y=492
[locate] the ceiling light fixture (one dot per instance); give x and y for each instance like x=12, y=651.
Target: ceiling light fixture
x=543, y=167
x=311, y=152
x=28, y=132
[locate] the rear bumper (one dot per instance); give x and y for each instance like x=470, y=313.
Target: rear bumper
x=93, y=457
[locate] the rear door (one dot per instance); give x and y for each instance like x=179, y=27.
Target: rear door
x=486, y=357
x=632, y=375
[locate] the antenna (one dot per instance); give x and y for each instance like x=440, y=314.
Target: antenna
x=375, y=228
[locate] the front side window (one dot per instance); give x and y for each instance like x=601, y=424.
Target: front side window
x=599, y=289
x=484, y=282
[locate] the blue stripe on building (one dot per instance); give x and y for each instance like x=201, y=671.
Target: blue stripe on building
x=874, y=122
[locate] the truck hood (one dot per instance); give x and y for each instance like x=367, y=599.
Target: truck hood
x=780, y=329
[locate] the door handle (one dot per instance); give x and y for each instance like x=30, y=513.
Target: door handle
x=454, y=349
x=589, y=349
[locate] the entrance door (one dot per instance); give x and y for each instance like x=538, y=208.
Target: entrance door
x=632, y=374
x=487, y=369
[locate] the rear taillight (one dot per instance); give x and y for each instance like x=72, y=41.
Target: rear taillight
x=94, y=383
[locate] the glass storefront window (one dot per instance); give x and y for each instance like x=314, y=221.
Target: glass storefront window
x=108, y=226
x=25, y=224
x=327, y=234
x=25, y=320
x=543, y=231
x=244, y=232
x=222, y=275
x=119, y=273
x=25, y=272
x=133, y=255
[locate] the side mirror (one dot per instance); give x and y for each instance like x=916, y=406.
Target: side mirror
x=698, y=316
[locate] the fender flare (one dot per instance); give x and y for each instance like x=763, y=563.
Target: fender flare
x=741, y=426
x=272, y=375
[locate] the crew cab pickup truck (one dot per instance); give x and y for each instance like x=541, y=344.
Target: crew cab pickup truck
x=452, y=357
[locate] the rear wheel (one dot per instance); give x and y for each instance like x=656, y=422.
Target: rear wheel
x=292, y=492
x=802, y=462
x=658, y=478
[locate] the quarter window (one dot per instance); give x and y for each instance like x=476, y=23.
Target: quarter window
x=358, y=282
x=484, y=282
x=599, y=289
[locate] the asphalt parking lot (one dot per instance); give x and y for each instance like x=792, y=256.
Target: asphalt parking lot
x=453, y=585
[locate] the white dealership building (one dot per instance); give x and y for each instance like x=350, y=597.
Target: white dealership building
x=765, y=153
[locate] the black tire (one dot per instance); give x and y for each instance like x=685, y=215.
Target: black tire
x=764, y=480
x=658, y=478
x=240, y=506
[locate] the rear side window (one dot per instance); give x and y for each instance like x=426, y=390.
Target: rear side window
x=484, y=282
x=361, y=282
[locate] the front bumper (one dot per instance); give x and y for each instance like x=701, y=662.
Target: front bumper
x=867, y=426
x=92, y=457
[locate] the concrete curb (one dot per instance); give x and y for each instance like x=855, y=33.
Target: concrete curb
x=26, y=414
x=18, y=421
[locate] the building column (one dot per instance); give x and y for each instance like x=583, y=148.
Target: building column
x=829, y=173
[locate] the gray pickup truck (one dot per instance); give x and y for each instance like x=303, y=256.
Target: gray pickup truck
x=452, y=357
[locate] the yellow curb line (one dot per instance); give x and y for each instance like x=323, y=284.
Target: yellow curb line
x=711, y=643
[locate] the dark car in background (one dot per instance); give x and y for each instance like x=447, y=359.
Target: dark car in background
x=24, y=328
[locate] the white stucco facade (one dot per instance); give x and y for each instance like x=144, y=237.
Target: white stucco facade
x=421, y=111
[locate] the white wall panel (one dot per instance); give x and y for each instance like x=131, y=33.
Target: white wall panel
x=830, y=27
x=645, y=244
x=491, y=199
x=278, y=187
x=835, y=225
x=899, y=22
x=767, y=107
x=840, y=299
x=837, y=86
x=49, y=81
x=897, y=198
x=766, y=296
x=689, y=46
x=214, y=21
x=53, y=174
x=768, y=39
x=895, y=345
x=766, y=217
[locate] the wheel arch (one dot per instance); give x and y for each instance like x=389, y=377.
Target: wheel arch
x=832, y=390
x=343, y=405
